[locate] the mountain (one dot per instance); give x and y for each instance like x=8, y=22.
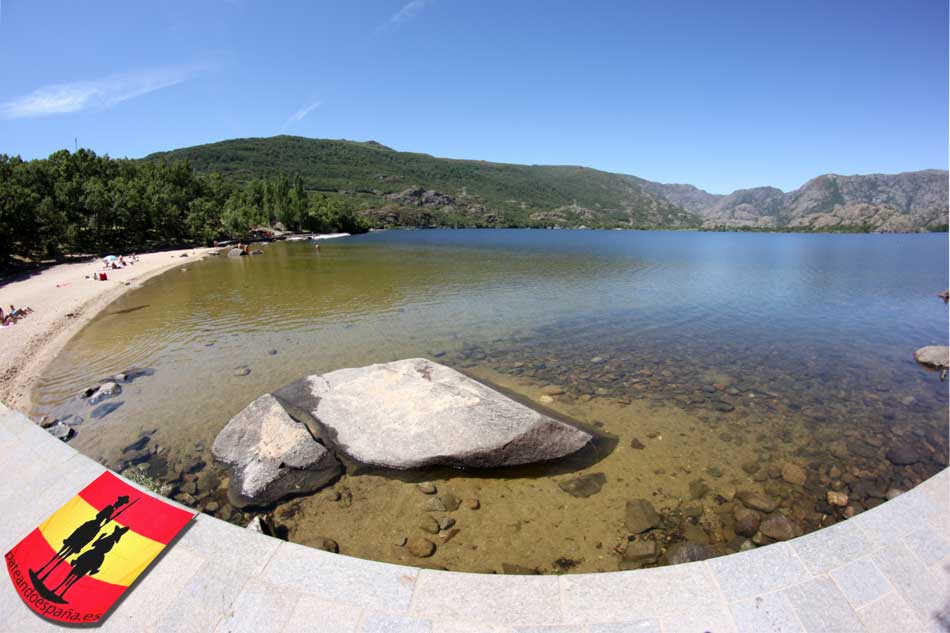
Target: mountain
x=405, y=188
x=410, y=189
x=897, y=203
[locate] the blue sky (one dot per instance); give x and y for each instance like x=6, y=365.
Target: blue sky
x=723, y=95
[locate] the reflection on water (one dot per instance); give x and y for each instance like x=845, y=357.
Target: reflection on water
x=715, y=359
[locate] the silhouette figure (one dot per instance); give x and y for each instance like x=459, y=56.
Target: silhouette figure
x=90, y=561
x=74, y=543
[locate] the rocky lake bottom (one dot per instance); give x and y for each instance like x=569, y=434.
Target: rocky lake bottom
x=699, y=463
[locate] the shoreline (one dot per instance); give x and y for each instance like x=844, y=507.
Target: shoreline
x=63, y=302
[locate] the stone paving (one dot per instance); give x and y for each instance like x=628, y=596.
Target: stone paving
x=886, y=570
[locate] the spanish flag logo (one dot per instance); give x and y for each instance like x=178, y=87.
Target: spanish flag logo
x=79, y=562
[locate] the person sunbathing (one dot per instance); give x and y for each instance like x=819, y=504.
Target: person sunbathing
x=19, y=313
x=6, y=319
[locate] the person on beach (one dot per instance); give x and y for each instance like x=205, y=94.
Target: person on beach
x=6, y=319
x=19, y=313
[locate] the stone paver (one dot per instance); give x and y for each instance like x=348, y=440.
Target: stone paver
x=331, y=616
x=770, y=612
x=821, y=608
x=515, y=600
x=758, y=571
x=889, y=611
x=861, y=582
x=887, y=569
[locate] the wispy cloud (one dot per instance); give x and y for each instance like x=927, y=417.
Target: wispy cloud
x=407, y=12
x=301, y=113
x=103, y=93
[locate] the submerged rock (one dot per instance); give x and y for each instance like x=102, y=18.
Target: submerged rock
x=777, y=526
x=640, y=516
x=639, y=553
x=105, y=390
x=680, y=553
x=60, y=431
x=420, y=547
x=413, y=413
x=902, y=455
x=585, y=485
x=936, y=356
x=794, y=474
x=272, y=456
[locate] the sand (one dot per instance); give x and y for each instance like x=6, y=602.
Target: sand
x=63, y=301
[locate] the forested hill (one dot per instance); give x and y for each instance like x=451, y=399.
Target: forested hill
x=404, y=188
x=391, y=188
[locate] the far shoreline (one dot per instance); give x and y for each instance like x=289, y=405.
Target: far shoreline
x=64, y=300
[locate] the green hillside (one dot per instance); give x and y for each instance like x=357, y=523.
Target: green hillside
x=393, y=188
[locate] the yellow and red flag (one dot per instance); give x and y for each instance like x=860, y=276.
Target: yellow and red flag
x=79, y=561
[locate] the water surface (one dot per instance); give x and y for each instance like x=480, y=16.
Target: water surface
x=724, y=355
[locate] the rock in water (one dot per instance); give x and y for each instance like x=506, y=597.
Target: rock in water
x=106, y=390
x=413, y=413
x=640, y=516
x=794, y=474
x=902, y=455
x=936, y=356
x=271, y=455
x=680, y=553
x=585, y=485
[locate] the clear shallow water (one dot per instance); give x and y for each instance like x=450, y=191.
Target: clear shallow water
x=737, y=352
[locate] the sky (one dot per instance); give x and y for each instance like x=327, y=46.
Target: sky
x=722, y=95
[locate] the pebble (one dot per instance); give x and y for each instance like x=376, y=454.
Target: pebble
x=552, y=390
x=433, y=504
x=427, y=488
x=212, y=506
x=640, y=516
x=585, y=485
x=758, y=501
x=545, y=399
x=446, y=522
x=401, y=541
x=639, y=553
x=471, y=504
x=242, y=371
x=327, y=545
x=637, y=444
x=450, y=502
x=794, y=474
x=902, y=455
x=777, y=526
x=680, y=553
x=420, y=547
x=698, y=488
x=838, y=499
x=747, y=521
x=428, y=524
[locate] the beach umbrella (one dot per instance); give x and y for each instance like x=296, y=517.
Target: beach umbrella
x=110, y=258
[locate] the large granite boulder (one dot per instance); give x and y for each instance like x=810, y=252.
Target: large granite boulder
x=412, y=413
x=272, y=456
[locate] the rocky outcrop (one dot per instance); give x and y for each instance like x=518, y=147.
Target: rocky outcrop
x=936, y=356
x=271, y=455
x=413, y=413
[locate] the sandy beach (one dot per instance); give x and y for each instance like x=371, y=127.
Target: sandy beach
x=63, y=301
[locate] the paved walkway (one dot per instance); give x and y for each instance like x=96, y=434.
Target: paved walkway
x=885, y=570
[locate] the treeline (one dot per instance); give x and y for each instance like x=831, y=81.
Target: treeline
x=72, y=203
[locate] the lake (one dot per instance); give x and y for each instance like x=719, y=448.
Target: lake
x=713, y=359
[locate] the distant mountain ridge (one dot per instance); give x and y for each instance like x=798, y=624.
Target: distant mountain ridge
x=902, y=202
x=411, y=189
